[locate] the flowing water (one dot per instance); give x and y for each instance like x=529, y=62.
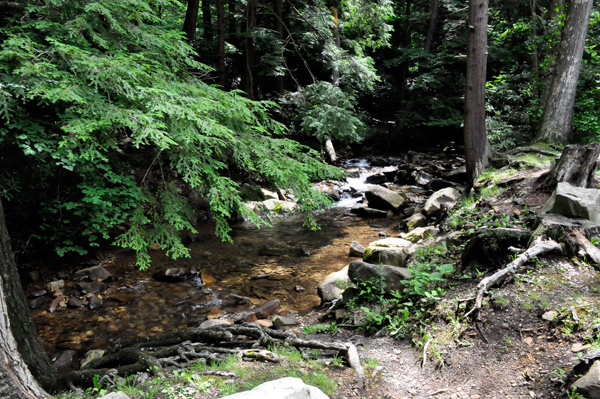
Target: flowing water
x=227, y=273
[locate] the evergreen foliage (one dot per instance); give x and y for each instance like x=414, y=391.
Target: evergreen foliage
x=91, y=89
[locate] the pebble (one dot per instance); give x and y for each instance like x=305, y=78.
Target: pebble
x=579, y=347
x=505, y=326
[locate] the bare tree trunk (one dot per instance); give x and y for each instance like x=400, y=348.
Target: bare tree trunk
x=248, y=74
x=191, y=18
x=221, y=41
x=555, y=126
x=476, y=142
x=535, y=63
x=16, y=380
x=277, y=6
x=555, y=8
x=435, y=8
x=207, y=20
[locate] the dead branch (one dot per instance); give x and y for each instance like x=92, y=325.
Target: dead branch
x=509, y=270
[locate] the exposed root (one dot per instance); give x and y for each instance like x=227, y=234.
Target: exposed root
x=483, y=287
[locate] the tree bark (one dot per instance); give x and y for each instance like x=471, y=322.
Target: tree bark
x=221, y=41
x=555, y=126
x=475, y=136
x=191, y=18
x=16, y=380
x=248, y=74
x=577, y=166
x=277, y=8
x=207, y=20
x=435, y=8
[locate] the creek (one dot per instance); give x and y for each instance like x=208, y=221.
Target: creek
x=261, y=264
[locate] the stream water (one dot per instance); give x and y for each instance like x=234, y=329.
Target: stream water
x=227, y=272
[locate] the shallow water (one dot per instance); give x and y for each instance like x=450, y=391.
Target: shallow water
x=226, y=273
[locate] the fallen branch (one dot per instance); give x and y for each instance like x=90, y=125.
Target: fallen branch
x=509, y=270
x=425, y=352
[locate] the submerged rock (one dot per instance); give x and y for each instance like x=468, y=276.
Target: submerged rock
x=172, y=275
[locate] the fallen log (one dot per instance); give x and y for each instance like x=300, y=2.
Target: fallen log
x=485, y=284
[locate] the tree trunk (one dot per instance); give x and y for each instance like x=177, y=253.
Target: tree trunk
x=248, y=73
x=535, y=63
x=277, y=8
x=555, y=8
x=435, y=8
x=576, y=166
x=476, y=143
x=16, y=380
x=191, y=17
x=555, y=126
x=207, y=20
x=221, y=41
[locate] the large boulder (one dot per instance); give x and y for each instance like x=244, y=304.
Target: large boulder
x=382, y=198
x=446, y=197
x=333, y=285
x=389, y=251
x=392, y=277
x=590, y=382
x=416, y=220
x=284, y=388
x=575, y=202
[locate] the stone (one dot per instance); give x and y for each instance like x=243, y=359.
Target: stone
x=193, y=238
x=402, y=176
x=55, y=305
x=115, y=395
x=37, y=294
x=389, y=251
x=550, y=316
x=333, y=285
x=392, y=276
x=438, y=184
x=272, y=205
x=264, y=323
x=423, y=178
x=382, y=198
x=284, y=322
x=579, y=347
x=299, y=288
x=458, y=175
x=416, y=220
x=284, y=388
x=172, y=275
x=75, y=302
x=366, y=212
x=356, y=249
x=37, y=303
x=92, y=355
x=123, y=297
x=420, y=233
x=100, y=273
x=34, y=276
x=55, y=286
x=64, y=360
x=590, y=382
x=197, y=201
x=91, y=288
x=95, y=302
x=259, y=312
x=446, y=197
x=268, y=195
x=378, y=178
x=340, y=314
x=380, y=162
x=456, y=238
x=574, y=202
x=304, y=251
x=215, y=322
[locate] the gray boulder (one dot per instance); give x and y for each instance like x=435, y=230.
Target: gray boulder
x=416, y=220
x=366, y=212
x=446, y=197
x=423, y=178
x=575, y=202
x=284, y=388
x=392, y=276
x=115, y=395
x=389, y=251
x=333, y=285
x=356, y=249
x=590, y=382
x=284, y=322
x=382, y=198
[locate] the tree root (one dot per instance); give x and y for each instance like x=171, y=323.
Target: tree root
x=509, y=270
x=209, y=345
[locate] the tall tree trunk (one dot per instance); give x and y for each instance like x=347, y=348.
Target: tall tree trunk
x=555, y=126
x=555, y=8
x=221, y=41
x=20, y=344
x=476, y=142
x=248, y=74
x=535, y=63
x=277, y=8
x=335, y=79
x=207, y=20
x=191, y=18
x=435, y=9
x=405, y=45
